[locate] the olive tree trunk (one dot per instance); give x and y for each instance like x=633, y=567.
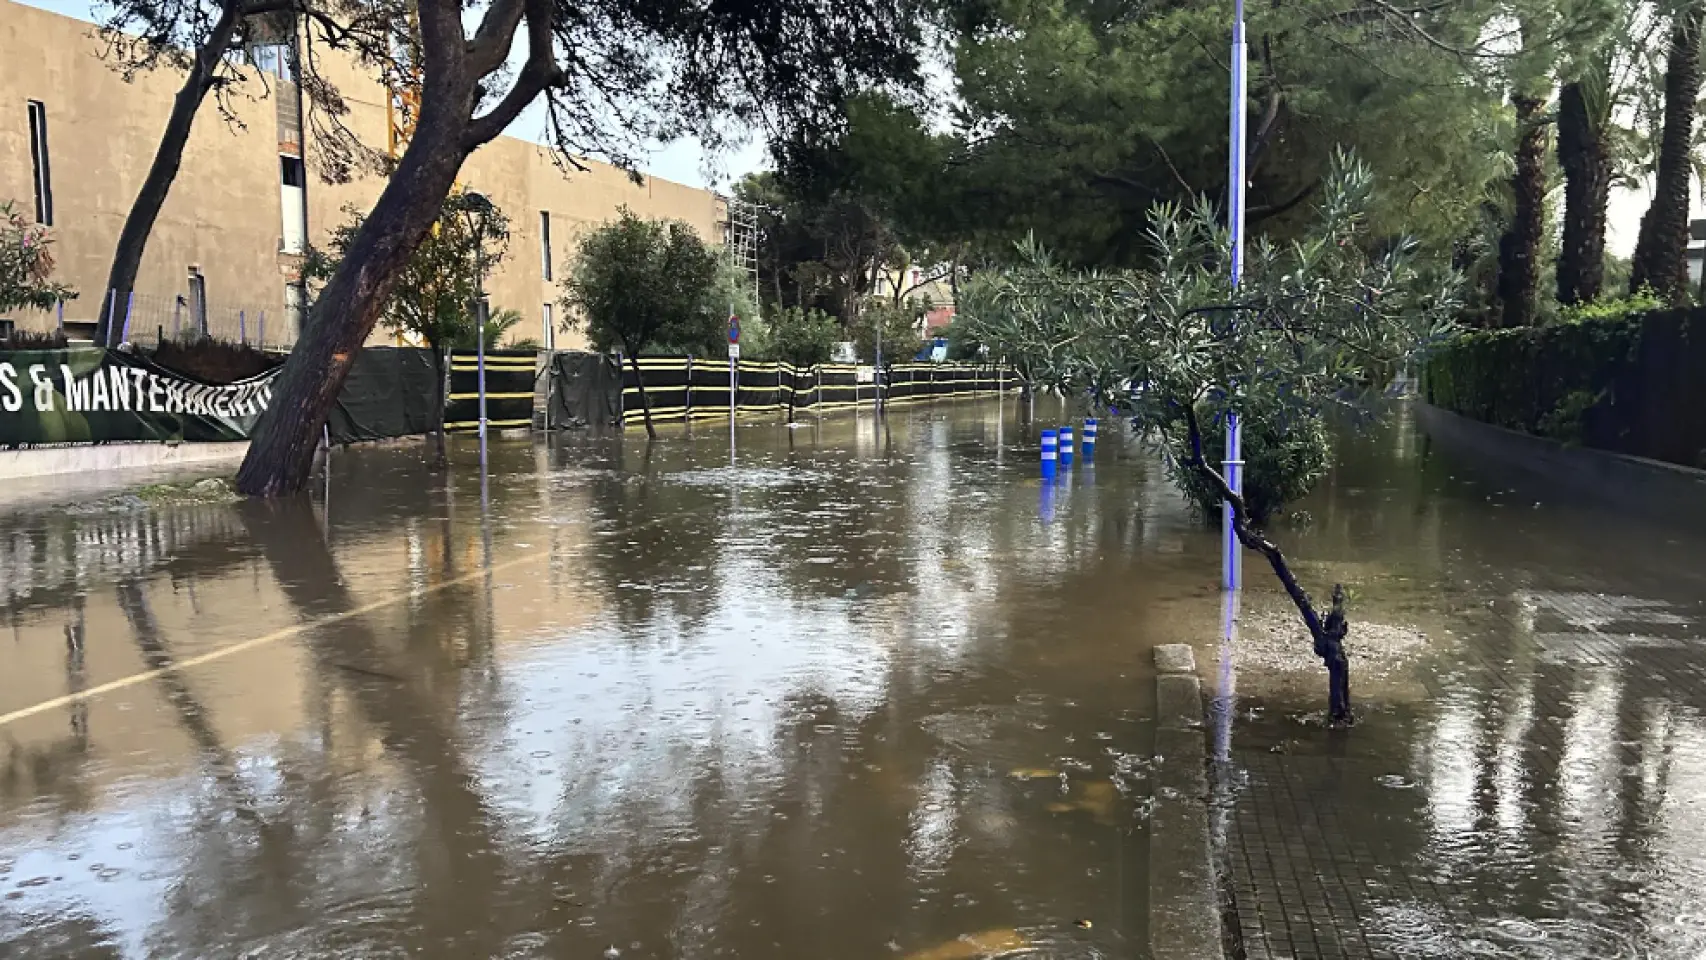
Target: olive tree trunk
x=1328, y=632
x=645, y=401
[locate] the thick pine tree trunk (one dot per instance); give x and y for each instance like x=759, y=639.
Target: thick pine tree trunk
x=168, y=158
x=282, y=451
x=1519, y=248
x=1661, y=251
x=1584, y=152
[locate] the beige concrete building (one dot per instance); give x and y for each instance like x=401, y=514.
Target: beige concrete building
x=76, y=141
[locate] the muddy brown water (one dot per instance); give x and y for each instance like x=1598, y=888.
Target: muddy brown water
x=851, y=697
x=873, y=691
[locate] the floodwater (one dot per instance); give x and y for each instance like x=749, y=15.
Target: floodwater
x=1530, y=782
x=872, y=691
x=854, y=696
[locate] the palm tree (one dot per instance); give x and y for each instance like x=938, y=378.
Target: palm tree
x=1661, y=250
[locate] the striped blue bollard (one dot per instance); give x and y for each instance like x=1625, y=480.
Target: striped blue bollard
x=1050, y=451
x=1066, y=446
x=1089, y=439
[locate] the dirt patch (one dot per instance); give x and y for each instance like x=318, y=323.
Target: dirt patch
x=214, y=361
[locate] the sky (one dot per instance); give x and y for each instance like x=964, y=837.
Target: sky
x=683, y=161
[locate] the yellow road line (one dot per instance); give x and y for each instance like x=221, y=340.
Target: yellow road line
x=261, y=641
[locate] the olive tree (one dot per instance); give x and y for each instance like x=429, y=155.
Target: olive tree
x=637, y=284
x=1313, y=324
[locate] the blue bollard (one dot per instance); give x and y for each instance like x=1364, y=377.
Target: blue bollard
x=1050, y=449
x=1089, y=439
x=1066, y=446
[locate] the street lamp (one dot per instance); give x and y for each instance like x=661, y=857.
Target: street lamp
x=478, y=210
x=1232, y=556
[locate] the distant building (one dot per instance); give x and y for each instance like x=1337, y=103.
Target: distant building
x=76, y=141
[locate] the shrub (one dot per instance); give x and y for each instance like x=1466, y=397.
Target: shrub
x=1282, y=461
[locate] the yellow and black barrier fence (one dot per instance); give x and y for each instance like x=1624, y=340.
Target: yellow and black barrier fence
x=683, y=388
x=509, y=390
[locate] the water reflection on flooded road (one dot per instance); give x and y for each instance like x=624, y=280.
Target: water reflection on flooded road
x=867, y=693
x=849, y=698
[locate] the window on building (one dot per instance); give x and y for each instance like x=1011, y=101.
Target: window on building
x=198, y=300
x=545, y=245
x=291, y=173
x=292, y=179
x=38, y=159
x=549, y=341
x=273, y=60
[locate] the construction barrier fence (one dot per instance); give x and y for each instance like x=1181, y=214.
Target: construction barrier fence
x=684, y=388
x=509, y=390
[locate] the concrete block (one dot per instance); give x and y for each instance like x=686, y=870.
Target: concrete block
x=1175, y=658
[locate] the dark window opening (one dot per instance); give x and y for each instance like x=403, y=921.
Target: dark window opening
x=38, y=160
x=291, y=173
x=545, y=244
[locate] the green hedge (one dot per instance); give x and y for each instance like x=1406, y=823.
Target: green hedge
x=1634, y=383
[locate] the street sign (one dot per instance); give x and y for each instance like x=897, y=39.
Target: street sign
x=734, y=350
x=734, y=331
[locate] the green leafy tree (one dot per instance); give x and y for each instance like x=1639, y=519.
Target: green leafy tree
x=26, y=264
x=1085, y=114
x=637, y=284
x=801, y=338
x=894, y=325
x=434, y=299
x=1314, y=320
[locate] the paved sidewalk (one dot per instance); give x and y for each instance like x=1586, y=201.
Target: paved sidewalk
x=1543, y=794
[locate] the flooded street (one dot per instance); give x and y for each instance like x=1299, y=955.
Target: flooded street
x=870, y=692
x=851, y=698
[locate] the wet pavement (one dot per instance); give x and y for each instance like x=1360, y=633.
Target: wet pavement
x=1533, y=785
x=853, y=697
x=869, y=693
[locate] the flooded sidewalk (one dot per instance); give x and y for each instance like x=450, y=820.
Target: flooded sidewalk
x=854, y=696
x=1531, y=785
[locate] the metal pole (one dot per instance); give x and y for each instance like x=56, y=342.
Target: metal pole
x=877, y=372
x=734, y=386
x=480, y=366
x=1233, y=565
x=129, y=311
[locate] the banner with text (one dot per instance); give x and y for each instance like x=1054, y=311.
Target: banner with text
x=87, y=395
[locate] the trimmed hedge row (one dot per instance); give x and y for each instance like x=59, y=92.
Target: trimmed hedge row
x=1635, y=383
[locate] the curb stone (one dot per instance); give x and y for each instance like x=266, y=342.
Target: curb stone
x=1184, y=908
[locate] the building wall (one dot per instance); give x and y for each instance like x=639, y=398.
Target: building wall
x=225, y=212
